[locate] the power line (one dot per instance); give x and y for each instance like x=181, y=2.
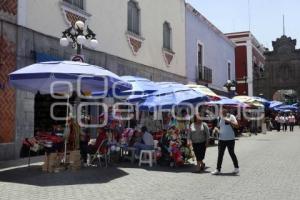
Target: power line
x=283, y=24
x=249, y=15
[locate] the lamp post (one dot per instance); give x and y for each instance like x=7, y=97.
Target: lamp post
x=78, y=35
x=230, y=87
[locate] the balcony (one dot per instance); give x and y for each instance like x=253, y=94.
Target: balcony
x=204, y=75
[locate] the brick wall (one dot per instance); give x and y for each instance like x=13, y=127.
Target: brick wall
x=9, y=6
x=7, y=95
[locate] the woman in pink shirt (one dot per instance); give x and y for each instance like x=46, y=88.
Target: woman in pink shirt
x=291, y=121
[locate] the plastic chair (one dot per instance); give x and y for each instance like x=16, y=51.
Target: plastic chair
x=147, y=157
x=99, y=155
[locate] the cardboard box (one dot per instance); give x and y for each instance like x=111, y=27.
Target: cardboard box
x=51, y=161
x=75, y=160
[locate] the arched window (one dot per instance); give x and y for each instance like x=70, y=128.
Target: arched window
x=167, y=32
x=133, y=17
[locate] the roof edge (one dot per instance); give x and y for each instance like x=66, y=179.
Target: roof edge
x=211, y=25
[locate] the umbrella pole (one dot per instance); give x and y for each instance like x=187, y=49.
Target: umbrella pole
x=67, y=127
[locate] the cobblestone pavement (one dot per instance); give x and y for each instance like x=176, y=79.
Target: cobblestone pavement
x=270, y=166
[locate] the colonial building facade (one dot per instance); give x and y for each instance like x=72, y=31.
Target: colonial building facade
x=210, y=56
x=249, y=61
x=136, y=37
x=282, y=68
x=125, y=29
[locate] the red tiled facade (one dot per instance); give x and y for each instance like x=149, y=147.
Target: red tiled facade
x=168, y=57
x=72, y=18
x=241, y=69
x=7, y=95
x=136, y=44
x=7, y=65
x=9, y=6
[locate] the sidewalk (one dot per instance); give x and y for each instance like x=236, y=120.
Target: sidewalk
x=262, y=159
x=22, y=162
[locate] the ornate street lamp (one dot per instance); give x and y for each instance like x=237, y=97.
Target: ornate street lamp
x=79, y=36
x=230, y=86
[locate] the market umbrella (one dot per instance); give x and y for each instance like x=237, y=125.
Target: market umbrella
x=40, y=76
x=159, y=86
x=261, y=100
x=274, y=104
x=171, y=94
x=295, y=104
x=252, y=101
x=229, y=102
x=223, y=97
x=205, y=90
x=286, y=107
x=139, y=85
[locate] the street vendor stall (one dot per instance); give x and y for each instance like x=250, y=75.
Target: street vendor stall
x=66, y=77
x=235, y=107
x=170, y=99
x=256, y=112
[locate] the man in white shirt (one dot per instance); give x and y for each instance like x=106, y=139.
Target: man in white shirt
x=147, y=142
x=282, y=122
x=227, y=140
x=277, y=121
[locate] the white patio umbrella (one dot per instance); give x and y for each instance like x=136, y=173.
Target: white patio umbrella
x=40, y=76
x=59, y=76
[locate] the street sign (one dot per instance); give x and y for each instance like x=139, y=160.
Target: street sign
x=78, y=58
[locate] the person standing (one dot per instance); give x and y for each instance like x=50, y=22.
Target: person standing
x=285, y=122
x=292, y=121
x=227, y=140
x=281, y=121
x=199, y=137
x=277, y=122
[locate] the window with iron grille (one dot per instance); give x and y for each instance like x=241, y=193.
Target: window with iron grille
x=207, y=74
x=133, y=24
x=76, y=3
x=167, y=31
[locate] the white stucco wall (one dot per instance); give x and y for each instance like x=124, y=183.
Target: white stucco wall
x=109, y=22
x=217, y=50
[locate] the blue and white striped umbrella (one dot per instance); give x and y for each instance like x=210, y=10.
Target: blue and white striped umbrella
x=40, y=76
x=169, y=95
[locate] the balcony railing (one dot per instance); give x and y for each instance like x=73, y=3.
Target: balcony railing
x=204, y=74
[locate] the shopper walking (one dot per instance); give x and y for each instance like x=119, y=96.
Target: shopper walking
x=291, y=121
x=277, y=122
x=227, y=140
x=199, y=136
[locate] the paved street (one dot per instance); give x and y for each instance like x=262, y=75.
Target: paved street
x=269, y=164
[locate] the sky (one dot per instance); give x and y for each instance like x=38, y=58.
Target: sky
x=266, y=17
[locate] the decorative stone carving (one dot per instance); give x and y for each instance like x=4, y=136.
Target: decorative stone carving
x=135, y=42
x=73, y=14
x=168, y=56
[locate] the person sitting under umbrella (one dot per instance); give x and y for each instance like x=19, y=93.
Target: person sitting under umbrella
x=147, y=142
